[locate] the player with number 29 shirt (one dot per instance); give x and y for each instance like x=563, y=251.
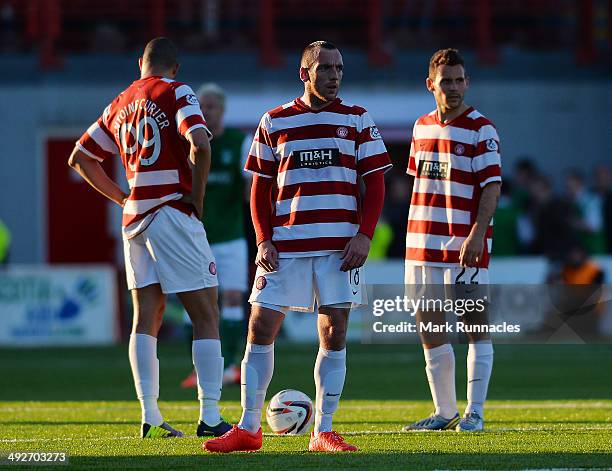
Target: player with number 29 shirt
x=157, y=128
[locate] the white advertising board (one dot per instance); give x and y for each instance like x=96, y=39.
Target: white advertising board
x=43, y=305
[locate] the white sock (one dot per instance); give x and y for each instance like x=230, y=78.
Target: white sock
x=440, y=369
x=257, y=369
x=208, y=363
x=479, y=366
x=329, y=374
x=145, y=369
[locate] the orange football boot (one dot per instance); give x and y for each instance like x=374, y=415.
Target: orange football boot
x=190, y=381
x=329, y=441
x=237, y=439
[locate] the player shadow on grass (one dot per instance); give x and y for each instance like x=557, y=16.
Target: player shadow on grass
x=413, y=458
x=71, y=422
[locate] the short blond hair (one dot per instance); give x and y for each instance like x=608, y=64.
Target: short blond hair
x=211, y=88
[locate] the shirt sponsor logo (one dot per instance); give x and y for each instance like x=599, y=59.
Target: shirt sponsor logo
x=341, y=132
x=317, y=158
x=212, y=268
x=192, y=100
x=435, y=170
x=459, y=149
x=375, y=133
x=492, y=145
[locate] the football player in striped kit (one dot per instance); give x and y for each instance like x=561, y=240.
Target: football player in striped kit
x=157, y=128
x=455, y=161
x=313, y=237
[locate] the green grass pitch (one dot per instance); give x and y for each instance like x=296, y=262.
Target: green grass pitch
x=550, y=407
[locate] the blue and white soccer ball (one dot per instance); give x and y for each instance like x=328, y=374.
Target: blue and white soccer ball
x=290, y=412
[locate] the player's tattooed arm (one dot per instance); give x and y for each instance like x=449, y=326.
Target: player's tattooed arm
x=91, y=170
x=199, y=155
x=471, y=250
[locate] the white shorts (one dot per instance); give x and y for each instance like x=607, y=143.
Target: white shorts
x=232, y=264
x=419, y=274
x=445, y=282
x=172, y=251
x=301, y=281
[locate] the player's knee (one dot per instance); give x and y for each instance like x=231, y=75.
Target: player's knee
x=146, y=323
x=474, y=337
x=334, y=335
x=260, y=335
x=261, y=331
x=160, y=311
x=206, y=318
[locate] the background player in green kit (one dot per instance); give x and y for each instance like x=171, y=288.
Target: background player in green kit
x=226, y=190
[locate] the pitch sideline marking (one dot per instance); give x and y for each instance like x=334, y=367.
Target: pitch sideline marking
x=526, y=405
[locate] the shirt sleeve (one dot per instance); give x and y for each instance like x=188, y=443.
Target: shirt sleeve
x=486, y=163
x=188, y=113
x=411, y=169
x=98, y=142
x=261, y=208
x=261, y=159
x=373, y=202
x=371, y=152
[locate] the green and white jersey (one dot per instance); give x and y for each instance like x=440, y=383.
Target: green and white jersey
x=224, y=198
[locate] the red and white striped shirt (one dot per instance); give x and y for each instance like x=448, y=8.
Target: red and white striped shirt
x=316, y=157
x=451, y=164
x=144, y=124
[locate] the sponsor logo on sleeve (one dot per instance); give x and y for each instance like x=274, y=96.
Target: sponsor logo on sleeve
x=492, y=145
x=375, y=133
x=212, y=268
x=192, y=100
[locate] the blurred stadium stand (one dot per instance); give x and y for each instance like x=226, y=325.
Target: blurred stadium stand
x=382, y=28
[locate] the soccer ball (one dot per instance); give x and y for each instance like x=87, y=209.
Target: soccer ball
x=290, y=412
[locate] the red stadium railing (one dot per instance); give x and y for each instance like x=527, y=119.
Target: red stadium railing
x=378, y=27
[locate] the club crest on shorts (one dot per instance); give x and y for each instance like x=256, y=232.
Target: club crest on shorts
x=341, y=132
x=459, y=149
x=212, y=268
x=261, y=282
